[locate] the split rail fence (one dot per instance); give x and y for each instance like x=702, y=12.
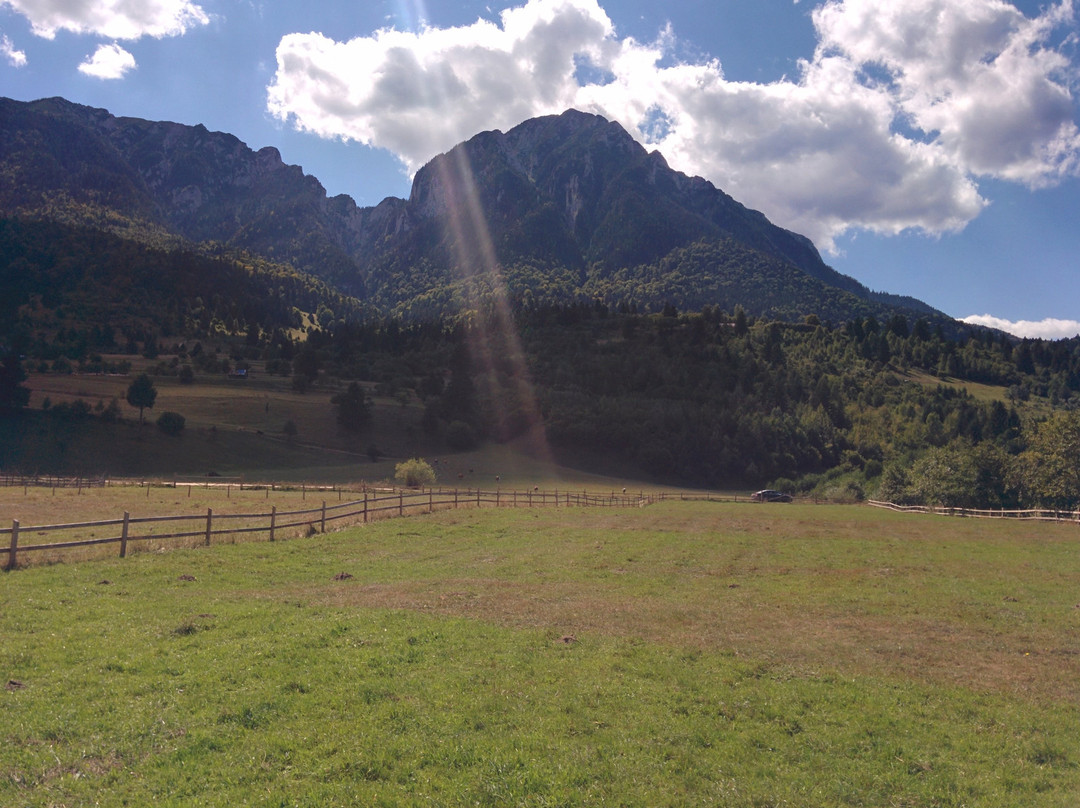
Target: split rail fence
x=1036, y=514
x=128, y=531
x=50, y=481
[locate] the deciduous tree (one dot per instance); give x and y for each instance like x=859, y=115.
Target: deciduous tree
x=142, y=394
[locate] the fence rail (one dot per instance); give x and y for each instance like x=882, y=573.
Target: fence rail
x=1036, y=514
x=373, y=505
x=50, y=481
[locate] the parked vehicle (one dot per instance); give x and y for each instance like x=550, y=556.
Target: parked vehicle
x=768, y=495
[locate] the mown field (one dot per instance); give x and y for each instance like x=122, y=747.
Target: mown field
x=681, y=654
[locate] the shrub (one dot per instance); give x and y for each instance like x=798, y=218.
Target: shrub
x=111, y=413
x=171, y=423
x=784, y=484
x=848, y=492
x=71, y=410
x=414, y=473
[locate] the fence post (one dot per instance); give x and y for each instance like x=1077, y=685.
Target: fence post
x=124, y=536
x=209, y=524
x=365, y=505
x=273, y=519
x=322, y=528
x=13, y=560
x=455, y=499
x=430, y=501
x=477, y=497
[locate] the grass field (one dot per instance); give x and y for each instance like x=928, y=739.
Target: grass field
x=681, y=654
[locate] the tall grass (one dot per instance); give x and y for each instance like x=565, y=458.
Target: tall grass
x=685, y=654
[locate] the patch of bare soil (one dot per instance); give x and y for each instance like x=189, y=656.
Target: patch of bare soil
x=1032, y=665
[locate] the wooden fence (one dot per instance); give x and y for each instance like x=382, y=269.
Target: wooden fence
x=127, y=531
x=1037, y=514
x=50, y=481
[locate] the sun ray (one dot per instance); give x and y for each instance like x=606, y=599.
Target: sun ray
x=494, y=341
x=412, y=14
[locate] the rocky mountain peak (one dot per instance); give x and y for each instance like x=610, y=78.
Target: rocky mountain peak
x=573, y=195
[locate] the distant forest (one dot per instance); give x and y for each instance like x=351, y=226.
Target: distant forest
x=897, y=410
x=712, y=398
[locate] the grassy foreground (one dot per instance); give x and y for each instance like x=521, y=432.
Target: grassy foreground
x=683, y=654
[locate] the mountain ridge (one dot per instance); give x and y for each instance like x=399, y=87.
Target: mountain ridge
x=560, y=206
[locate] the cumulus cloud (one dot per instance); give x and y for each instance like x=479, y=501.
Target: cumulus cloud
x=417, y=94
x=108, y=62
x=1037, y=329
x=889, y=126
x=116, y=19
x=15, y=57
x=976, y=74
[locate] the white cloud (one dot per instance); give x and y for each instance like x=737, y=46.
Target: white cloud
x=975, y=73
x=901, y=110
x=15, y=57
x=108, y=62
x=1038, y=329
x=417, y=94
x=116, y=19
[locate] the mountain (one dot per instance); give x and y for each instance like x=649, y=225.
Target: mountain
x=84, y=166
x=557, y=209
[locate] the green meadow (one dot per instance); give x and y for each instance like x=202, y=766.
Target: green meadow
x=681, y=654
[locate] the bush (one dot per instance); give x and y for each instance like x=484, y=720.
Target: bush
x=848, y=493
x=171, y=423
x=784, y=484
x=71, y=411
x=414, y=473
x=111, y=413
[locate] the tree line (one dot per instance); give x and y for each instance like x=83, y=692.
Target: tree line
x=894, y=408
x=897, y=409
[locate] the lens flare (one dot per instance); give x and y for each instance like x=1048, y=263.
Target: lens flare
x=412, y=14
x=493, y=340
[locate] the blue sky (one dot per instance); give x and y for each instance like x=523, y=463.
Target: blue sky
x=928, y=147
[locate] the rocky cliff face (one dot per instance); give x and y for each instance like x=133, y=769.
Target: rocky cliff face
x=617, y=204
